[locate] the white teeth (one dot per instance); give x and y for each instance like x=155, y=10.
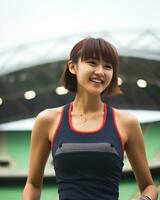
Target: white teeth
x=96, y=80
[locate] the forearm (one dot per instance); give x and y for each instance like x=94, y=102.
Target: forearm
x=31, y=192
x=151, y=192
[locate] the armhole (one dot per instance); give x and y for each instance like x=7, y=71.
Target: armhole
x=117, y=130
x=58, y=125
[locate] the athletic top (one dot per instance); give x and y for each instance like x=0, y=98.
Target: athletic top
x=88, y=164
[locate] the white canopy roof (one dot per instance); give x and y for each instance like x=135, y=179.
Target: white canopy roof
x=142, y=44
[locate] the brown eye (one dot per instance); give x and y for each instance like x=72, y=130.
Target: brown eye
x=108, y=66
x=91, y=62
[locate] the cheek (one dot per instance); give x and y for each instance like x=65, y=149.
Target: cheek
x=83, y=75
x=81, y=78
x=109, y=75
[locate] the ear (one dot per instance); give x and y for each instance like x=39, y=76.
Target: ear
x=72, y=67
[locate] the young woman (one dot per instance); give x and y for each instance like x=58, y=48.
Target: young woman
x=87, y=137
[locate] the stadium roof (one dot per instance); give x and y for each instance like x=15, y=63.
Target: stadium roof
x=140, y=44
x=37, y=66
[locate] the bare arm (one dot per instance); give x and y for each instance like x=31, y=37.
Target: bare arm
x=40, y=149
x=136, y=153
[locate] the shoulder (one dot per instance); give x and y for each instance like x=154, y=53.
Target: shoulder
x=126, y=117
x=49, y=114
x=46, y=118
x=128, y=123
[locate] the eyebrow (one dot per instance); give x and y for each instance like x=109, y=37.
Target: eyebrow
x=109, y=64
x=94, y=59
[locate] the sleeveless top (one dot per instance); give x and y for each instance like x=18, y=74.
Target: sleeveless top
x=88, y=164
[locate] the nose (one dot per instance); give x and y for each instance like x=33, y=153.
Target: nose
x=99, y=69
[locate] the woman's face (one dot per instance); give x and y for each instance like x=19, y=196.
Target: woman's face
x=93, y=76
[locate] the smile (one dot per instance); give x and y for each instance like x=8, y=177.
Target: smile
x=96, y=80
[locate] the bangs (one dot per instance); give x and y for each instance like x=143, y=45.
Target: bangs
x=97, y=49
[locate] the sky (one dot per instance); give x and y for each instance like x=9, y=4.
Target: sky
x=23, y=21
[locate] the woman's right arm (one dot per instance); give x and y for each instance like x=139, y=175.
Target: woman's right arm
x=39, y=152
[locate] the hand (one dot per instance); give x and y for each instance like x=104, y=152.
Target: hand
x=144, y=198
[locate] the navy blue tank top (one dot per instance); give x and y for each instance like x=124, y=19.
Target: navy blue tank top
x=88, y=164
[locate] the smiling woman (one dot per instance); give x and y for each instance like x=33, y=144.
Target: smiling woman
x=87, y=137
x=92, y=52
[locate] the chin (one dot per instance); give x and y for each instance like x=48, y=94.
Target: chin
x=95, y=92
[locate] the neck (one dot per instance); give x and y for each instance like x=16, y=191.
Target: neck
x=86, y=104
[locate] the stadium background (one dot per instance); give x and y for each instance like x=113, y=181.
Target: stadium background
x=29, y=74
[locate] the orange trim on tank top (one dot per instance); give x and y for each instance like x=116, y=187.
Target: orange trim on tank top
x=117, y=130
x=59, y=123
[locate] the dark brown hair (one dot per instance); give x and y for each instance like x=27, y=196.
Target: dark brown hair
x=96, y=48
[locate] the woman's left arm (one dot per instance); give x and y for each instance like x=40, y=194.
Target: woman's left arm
x=135, y=149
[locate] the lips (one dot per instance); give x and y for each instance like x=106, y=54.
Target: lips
x=96, y=80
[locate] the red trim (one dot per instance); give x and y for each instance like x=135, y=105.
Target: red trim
x=55, y=133
x=118, y=132
x=83, y=132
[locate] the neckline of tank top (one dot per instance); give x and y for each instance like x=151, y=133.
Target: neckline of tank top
x=87, y=132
